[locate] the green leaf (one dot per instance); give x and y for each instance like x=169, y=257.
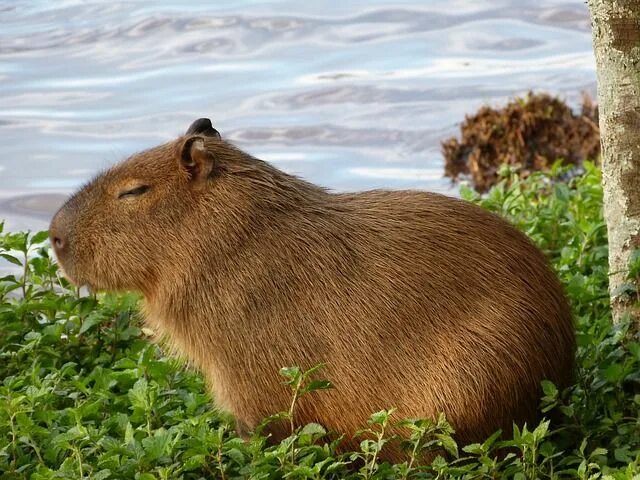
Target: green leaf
x=128, y=434
x=139, y=394
x=561, y=191
x=31, y=336
x=16, y=241
x=101, y=475
x=317, y=385
x=91, y=321
x=313, y=429
x=380, y=417
x=439, y=463
x=194, y=462
x=549, y=388
x=11, y=258
x=292, y=374
x=488, y=443
x=145, y=476
x=301, y=471
x=313, y=370
x=474, y=448
x=39, y=238
x=236, y=455
x=157, y=445
x=622, y=455
x=598, y=451
x=448, y=443
x=614, y=372
x=541, y=431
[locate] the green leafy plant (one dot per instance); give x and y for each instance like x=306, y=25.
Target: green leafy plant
x=85, y=395
x=301, y=384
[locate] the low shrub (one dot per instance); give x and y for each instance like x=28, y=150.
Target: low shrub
x=84, y=394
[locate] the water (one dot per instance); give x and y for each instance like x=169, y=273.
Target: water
x=351, y=95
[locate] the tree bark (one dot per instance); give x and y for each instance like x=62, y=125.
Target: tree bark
x=616, y=42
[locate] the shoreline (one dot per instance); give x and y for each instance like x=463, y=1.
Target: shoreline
x=29, y=211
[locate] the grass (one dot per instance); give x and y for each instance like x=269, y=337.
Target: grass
x=85, y=395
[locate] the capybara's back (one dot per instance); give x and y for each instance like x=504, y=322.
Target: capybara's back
x=413, y=300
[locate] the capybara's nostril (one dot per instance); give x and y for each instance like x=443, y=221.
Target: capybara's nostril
x=58, y=243
x=57, y=235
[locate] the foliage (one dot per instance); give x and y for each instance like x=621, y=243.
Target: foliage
x=532, y=131
x=84, y=394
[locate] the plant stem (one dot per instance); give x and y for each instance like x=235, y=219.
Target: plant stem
x=292, y=425
x=220, y=464
x=76, y=450
x=374, y=459
x=25, y=273
x=14, y=447
x=292, y=407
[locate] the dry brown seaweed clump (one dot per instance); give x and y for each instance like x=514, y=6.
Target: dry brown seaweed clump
x=532, y=132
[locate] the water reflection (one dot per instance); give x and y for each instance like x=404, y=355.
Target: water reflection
x=353, y=97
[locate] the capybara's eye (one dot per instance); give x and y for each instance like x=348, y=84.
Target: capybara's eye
x=134, y=192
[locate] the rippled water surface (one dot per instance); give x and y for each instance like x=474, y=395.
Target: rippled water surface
x=351, y=94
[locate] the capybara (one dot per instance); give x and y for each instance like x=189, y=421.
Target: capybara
x=413, y=300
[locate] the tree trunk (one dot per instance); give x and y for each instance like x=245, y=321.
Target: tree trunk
x=616, y=42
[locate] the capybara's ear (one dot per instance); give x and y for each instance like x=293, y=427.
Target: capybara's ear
x=196, y=159
x=203, y=126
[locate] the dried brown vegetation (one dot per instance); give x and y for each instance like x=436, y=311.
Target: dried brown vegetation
x=532, y=132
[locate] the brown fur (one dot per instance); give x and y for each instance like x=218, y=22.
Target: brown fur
x=414, y=300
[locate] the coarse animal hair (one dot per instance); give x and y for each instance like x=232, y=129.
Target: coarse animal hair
x=414, y=300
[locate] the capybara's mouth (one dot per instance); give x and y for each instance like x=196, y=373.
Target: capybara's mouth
x=65, y=273
x=72, y=276
x=82, y=281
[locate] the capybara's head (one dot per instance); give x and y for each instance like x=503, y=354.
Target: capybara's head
x=115, y=232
